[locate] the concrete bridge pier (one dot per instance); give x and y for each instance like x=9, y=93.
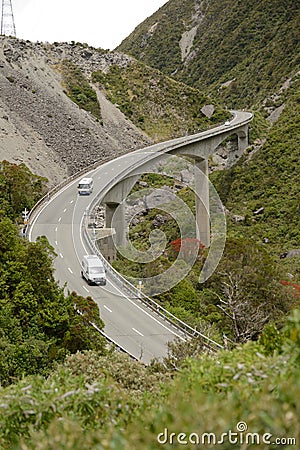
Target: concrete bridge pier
x=115, y=218
x=202, y=201
x=243, y=141
x=114, y=209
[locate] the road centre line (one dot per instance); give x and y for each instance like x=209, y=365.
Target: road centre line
x=124, y=295
x=138, y=332
x=70, y=270
x=146, y=312
x=168, y=328
x=74, y=245
x=68, y=186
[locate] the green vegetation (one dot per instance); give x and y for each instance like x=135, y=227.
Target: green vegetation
x=158, y=105
x=238, y=300
x=155, y=41
x=61, y=389
x=268, y=180
x=105, y=402
x=253, y=44
x=38, y=323
x=19, y=189
x=245, y=55
x=79, y=89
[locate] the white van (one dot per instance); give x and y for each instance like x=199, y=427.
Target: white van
x=85, y=186
x=93, y=270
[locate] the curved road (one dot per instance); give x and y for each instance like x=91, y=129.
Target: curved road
x=128, y=322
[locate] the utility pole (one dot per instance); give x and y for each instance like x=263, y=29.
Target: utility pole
x=7, y=19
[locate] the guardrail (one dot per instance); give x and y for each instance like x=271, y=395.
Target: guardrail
x=123, y=282
x=135, y=294
x=165, y=146
x=125, y=285
x=33, y=212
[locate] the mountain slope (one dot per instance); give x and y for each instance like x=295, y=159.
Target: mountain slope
x=245, y=54
x=268, y=182
x=65, y=106
x=40, y=124
x=248, y=47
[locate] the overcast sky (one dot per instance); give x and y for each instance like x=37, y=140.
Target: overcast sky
x=99, y=23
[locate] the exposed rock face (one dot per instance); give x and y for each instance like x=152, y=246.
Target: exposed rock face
x=41, y=126
x=225, y=156
x=186, y=42
x=208, y=110
x=290, y=253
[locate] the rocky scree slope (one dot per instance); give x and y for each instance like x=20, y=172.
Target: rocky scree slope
x=41, y=127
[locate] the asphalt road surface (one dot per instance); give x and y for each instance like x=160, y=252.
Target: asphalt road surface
x=128, y=322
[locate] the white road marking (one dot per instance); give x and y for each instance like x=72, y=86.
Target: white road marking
x=56, y=243
x=50, y=201
x=138, y=332
x=56, y=229
x=70, y=270
x=85, y=289
x=72, y=201
x=115, y=287
x=145, y=312
x=61, y=255
x=86, y=251
x=106, y=307
x=65, y=209
x=59, y=219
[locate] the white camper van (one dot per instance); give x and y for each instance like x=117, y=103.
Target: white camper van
x=93, y=270
x=85, y=186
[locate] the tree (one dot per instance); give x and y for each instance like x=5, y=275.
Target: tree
x=39, y=324
x=19, y=188
x=247, y=290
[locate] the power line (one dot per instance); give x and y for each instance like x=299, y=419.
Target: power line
x=8, y=27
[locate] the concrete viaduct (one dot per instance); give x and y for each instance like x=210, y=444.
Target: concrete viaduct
x=198, y=147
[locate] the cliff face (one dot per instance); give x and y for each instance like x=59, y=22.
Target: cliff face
x=41, y=126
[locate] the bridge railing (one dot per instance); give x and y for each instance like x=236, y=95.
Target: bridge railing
x=165, y=146
x=134, y=293
x=123, y=282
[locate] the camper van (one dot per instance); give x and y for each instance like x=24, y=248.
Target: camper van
x=85, y=186
x=93, y=270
